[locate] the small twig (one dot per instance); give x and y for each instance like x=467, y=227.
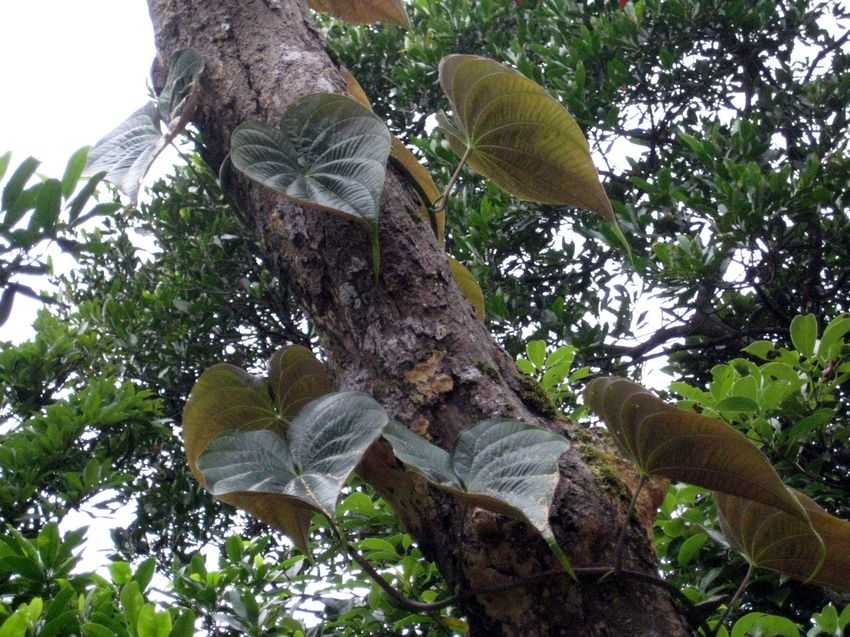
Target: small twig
x=735, y=598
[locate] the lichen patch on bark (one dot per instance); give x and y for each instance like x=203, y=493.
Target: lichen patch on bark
x=429, y=379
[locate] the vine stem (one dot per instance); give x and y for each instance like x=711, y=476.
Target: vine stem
x=735, y=598
x=603, y=571
x=618, y=549
x=440, y=204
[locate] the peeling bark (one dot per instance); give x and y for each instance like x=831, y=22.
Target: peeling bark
x=411, y=341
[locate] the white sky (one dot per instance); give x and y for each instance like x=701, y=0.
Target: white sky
x=71, y=72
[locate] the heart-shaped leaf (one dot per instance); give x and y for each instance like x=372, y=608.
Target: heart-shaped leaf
x=226, y=398
x=323, y=445
x=418, y=174
x=686, y=446
x=770, y=538
x=741, y=519
x=469, y=286
x=176, y=100
x=126, y=153
x=513, y=132
x=500, y=465
x=364, y=11
x=296, y=378
x=329, y=152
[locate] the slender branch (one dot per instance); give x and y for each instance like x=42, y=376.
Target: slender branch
x=26, y=290
x=823, y=53
x=735, y=598
x=401, y=601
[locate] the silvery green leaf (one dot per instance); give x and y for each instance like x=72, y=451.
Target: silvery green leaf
x=329, y=152
x=184, y=70
x=420, y=455
x=323, y=445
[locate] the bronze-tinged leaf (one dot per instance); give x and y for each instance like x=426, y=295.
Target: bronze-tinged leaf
x=770, y=538
x=355, y=90
x=424, y=183
x=681, y=445
x=227, y=398
x=402, y=154
x=296, y=378
x=469, y=286
x=513, y=132
x=835, y=533
x=364, y=11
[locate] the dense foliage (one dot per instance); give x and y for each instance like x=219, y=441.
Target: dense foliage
x=720, y=128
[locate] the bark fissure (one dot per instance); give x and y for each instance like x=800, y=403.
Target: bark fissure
x=411, y=341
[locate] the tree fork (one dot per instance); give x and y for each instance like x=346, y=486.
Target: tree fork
x=411, y=341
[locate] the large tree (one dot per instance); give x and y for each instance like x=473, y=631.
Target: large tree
x=742, y=163
x=409, y=339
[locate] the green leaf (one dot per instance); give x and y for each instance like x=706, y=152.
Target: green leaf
x=737, y=404
x=504, y=466
x=126, y=153
x=92, y=629
x=804, y=333
x=690, y=547
x=469, y=286
x=120, y=572
x=364, y=11
x=832, y=337
x=132, y=601
x=844, y=617
x=826, y=621
x=329, y=153
x=802, y=428
x=764, y=625
x=73, y=171
x=48, y=544
x=519, y=136
x=175, y=102
x=760, y=349
x=324, y=444
x=770, y=538
x=233, y=548
x=81, y=199
x=152, y=623
x=23, y=566
x=144, y=573
x=686, y=446
x=4, y=163
x=525, y=366
x=536, y=351
x=185, y=624
x=16, y=624
x=47, y=205
x=15, y=186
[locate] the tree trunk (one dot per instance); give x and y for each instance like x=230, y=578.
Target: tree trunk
x=412, y=342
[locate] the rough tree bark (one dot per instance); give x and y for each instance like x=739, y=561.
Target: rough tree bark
x=413, y=343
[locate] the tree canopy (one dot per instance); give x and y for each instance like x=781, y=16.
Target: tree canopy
x=716, y=250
